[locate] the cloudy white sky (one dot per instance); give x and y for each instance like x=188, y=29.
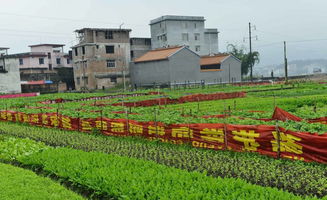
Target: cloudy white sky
x=302, y=23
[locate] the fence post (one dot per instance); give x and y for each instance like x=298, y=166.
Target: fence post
x=274, y=100
x=41, y=117
x=79, y=121
x=58, y=116
x=101, y=120
x=225, y=128
x=235, y=105
x=127, y=121
x=278, y=140
x=155, y=122
x=198, y=104
x=189, y=129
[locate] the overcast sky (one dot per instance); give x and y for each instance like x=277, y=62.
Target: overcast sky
x=302, y=23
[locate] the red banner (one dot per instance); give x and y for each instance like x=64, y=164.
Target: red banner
x=267, y=140
x=184, y=99
x=9, y=96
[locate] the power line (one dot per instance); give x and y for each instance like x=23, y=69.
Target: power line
x=67, y=19
x=27, y=31
x=297, y=41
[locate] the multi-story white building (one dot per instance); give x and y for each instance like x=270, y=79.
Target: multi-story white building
x=190, y=31
x=42, y=61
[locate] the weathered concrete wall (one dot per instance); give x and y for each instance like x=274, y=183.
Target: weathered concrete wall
x=139, y=46
x=173, y=30
x=150, y=73
x=180, y=67
x=230, y=72
x=96, y=65
x=97, y=36
x=10, y=82
x=184, y=66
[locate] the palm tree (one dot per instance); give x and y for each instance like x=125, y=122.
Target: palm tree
x=248, y=60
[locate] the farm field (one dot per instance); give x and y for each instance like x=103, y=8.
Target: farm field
x=107, y=176
x=220, y=131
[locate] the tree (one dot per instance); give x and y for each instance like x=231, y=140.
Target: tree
x=247, y=59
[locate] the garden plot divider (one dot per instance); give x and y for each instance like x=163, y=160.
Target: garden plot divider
x=183, y=99
x=272, y=141
x=60, y=100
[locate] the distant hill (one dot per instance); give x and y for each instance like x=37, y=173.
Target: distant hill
x=295, y=67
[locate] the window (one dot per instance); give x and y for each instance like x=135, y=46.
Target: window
x=21, y=61
x=197, y=36
x=97, y=46
x=110, y=49
x=209, y=67
x=41, y=61
x=58, y=61
x=86, y=80
x=197, y=48
x=148, y=42
x=76, y=52
x=109, y=35
x=113, y=80
x=68, y=61
x=132, y=54
x=195, y=26
x=185, y=36
x=83, y=50
x=184, y=24
x=50, y=66
x=111, y=63
x=78, y=80
x=164, y=37
x=2, y=69
x=49, y=55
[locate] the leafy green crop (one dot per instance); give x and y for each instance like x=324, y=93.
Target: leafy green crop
x=293, y=176
x=18, y=184
x=128, y=178
x=13, y=148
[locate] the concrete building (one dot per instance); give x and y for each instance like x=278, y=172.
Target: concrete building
x=189, y=31
x=101, y=58
x=220, y=68
x=166, y=66
x=42, y=62
x=139, y=46
x=180, y=65
x=9, y=73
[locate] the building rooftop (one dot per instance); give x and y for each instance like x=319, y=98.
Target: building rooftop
x=158, y=54
x=52, y=45
x=177, y=18
x=29, y=54
x=103, y=29
x=214, y=59
x=211, y=30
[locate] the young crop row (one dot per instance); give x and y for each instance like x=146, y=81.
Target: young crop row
x=309, y=103
x=293, y=176
x=16, y=183
x=112, y=176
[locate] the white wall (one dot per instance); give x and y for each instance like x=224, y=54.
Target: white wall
x=10, y=82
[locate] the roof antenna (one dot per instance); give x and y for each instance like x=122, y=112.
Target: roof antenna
x=121, y=25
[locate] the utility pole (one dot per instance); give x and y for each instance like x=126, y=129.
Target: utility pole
x=250, y=41
x=250, y=44
x=285, y=62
